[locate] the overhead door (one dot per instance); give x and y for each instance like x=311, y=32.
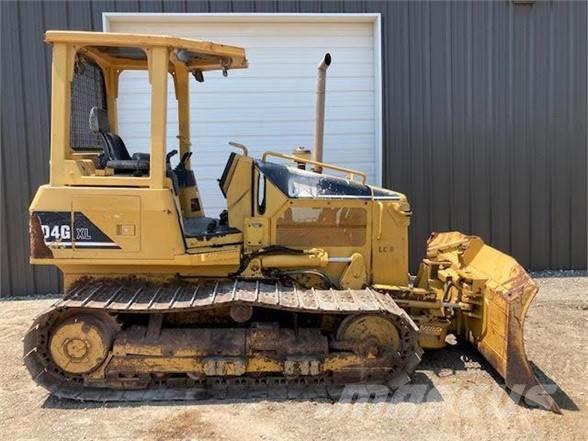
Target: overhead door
x=269, y=106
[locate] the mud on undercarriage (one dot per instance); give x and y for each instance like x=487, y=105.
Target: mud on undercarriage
x=132, y=341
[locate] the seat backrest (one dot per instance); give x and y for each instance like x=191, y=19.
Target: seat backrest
x=119, y=148
x=99, y=120
x=114, y=147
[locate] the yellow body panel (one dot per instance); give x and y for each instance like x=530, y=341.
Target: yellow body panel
x=390, y=220
x=147, y=210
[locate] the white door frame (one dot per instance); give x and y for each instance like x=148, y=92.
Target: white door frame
x=375, y=18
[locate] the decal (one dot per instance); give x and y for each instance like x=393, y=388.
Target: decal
x=382, y=249
x=58, y=231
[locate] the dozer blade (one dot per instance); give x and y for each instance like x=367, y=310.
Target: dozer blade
x=495, y=293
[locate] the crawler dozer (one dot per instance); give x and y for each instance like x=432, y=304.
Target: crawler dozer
x=302, y=281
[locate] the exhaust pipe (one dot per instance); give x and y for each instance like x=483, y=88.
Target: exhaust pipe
x=319, y=119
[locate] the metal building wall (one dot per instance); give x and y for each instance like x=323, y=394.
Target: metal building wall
x=484, y=119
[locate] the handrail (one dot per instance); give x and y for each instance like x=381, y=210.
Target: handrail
x=239, y=146
x=351, y=173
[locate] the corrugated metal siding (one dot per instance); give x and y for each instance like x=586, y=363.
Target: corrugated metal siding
x=484, y=119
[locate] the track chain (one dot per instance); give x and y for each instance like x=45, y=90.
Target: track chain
x=121, y=296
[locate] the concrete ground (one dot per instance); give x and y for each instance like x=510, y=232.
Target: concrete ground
x=456, y=394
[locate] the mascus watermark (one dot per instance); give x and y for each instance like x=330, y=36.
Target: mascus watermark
x=360, y=400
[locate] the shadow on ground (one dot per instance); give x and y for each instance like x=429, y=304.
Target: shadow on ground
x=441, y=363
x=446, y=360
x=562, y=399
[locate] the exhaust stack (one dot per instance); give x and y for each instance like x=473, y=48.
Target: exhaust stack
x=319, y=119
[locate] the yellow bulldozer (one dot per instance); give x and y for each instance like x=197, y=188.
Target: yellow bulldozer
x=302, y=281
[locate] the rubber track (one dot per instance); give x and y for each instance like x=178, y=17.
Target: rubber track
x=116, y=296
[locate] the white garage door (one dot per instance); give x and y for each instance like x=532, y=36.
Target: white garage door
x=269, y=106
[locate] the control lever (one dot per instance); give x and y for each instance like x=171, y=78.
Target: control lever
x=185, y=157
x=170, y=155
x=185, y=175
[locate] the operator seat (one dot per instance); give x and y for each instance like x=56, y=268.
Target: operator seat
x=116, y=155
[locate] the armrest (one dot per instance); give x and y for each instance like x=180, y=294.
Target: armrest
x=141, y=156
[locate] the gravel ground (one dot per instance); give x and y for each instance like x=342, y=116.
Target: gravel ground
x=461, y=395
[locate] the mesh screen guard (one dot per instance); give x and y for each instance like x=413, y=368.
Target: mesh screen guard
x=87, y=91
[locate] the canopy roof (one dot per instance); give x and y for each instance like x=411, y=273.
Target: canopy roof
x=125, y=51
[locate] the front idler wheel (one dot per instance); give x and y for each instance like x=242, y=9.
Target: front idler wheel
x=80, y=344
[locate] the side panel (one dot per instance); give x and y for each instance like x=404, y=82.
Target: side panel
x=340, y=227
x=117, y=218
x=108, y=223
x=236, y=183
x=390, y=243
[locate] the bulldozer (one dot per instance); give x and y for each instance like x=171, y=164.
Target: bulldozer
x=302, y=281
